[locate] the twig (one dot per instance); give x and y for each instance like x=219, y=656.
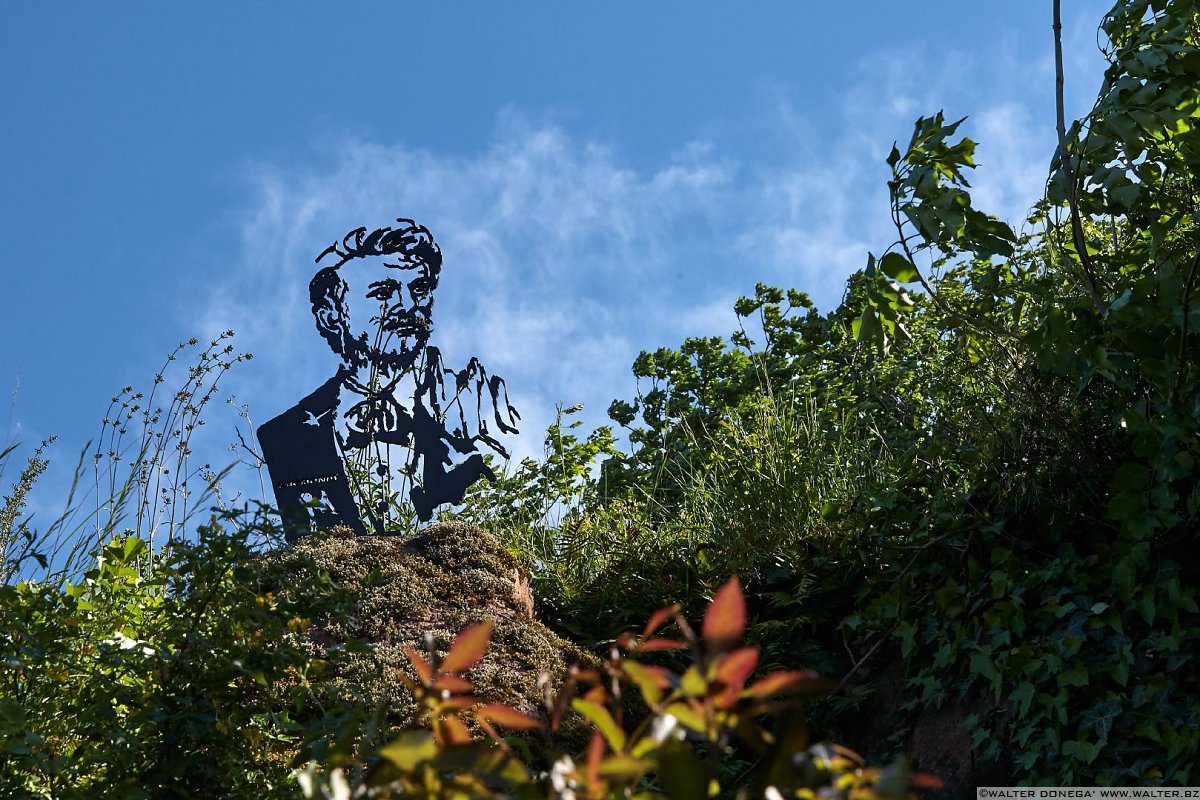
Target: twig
x=1065, y=163
x=1187, y=310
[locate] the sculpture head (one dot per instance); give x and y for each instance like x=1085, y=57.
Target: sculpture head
x=389, y=275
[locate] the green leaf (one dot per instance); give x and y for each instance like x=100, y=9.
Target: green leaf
x=599, y=716
x=1081, y=750
x=648, y=682
x=410, y=750
x=982, y=664
x=1076, y=675
x=893, y=157
x=623, y=767
x=898, y=268
x=1023, y=696
x=682, y=774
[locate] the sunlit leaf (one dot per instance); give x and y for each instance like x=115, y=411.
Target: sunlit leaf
x=650, y=683
x=725, y=619
x=623, y=767
x=410, y=749
x=898, y=268
x=688, y=716
x=468, y=648
x=424, y=671
x=451, y=730
x=452, y=683
x=660, y=618
x=508, y=717
x=804, y=682
x=599, y=716
x=659, y=643
x=733, y=669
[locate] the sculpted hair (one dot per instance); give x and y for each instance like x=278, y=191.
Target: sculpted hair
x=411, y=243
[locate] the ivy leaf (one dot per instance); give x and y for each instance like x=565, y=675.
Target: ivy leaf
x=1099, y=718
x=1023, y=696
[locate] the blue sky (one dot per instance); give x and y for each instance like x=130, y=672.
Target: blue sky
x=602, y=178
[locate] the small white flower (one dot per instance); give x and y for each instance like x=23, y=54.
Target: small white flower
x=664, y=727
x=560, y=778
x=339, y=786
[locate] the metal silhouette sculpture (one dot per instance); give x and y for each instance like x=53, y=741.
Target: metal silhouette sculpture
x=391, y=390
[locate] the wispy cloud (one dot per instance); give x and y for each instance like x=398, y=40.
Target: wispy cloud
x=562, y=261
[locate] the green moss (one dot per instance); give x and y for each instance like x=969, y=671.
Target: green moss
x=396, y=591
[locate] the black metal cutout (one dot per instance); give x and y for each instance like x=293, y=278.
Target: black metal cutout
x=392, y=390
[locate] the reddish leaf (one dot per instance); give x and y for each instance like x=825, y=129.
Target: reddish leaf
x=424, y=671
x=595, y=756
x=508, y=717
x=451, y=730
x=452, y=683
x=457, y=703
x=725, y=619
x=492, y=733
x=923, y=780
x=650, y=683
x=733, y=670
x=468, y=647
x=660, y=643
x=561, y=700
x=662, y=677
x=597, y=694
x=806, y=682
x=660, y=618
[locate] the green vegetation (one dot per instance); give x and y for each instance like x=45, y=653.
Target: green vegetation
x=973, y=486
x=967, y=495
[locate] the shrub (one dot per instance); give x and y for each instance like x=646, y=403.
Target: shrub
x=676, y=751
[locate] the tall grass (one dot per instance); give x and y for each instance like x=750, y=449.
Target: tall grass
x=776, y=477
x=16, y=539
x=765, y=496
x=139, y=477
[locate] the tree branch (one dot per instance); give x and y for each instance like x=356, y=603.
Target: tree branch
x=1065, y=164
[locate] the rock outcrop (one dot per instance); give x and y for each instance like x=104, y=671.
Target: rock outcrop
x=403, y=589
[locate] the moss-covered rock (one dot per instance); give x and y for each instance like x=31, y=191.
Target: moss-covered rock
x=406, y=591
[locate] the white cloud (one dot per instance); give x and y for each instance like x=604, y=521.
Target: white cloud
x=562, y=261
x=559, y=261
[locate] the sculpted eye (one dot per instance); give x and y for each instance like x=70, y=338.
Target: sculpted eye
x=420, y=286
x=384, y=290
